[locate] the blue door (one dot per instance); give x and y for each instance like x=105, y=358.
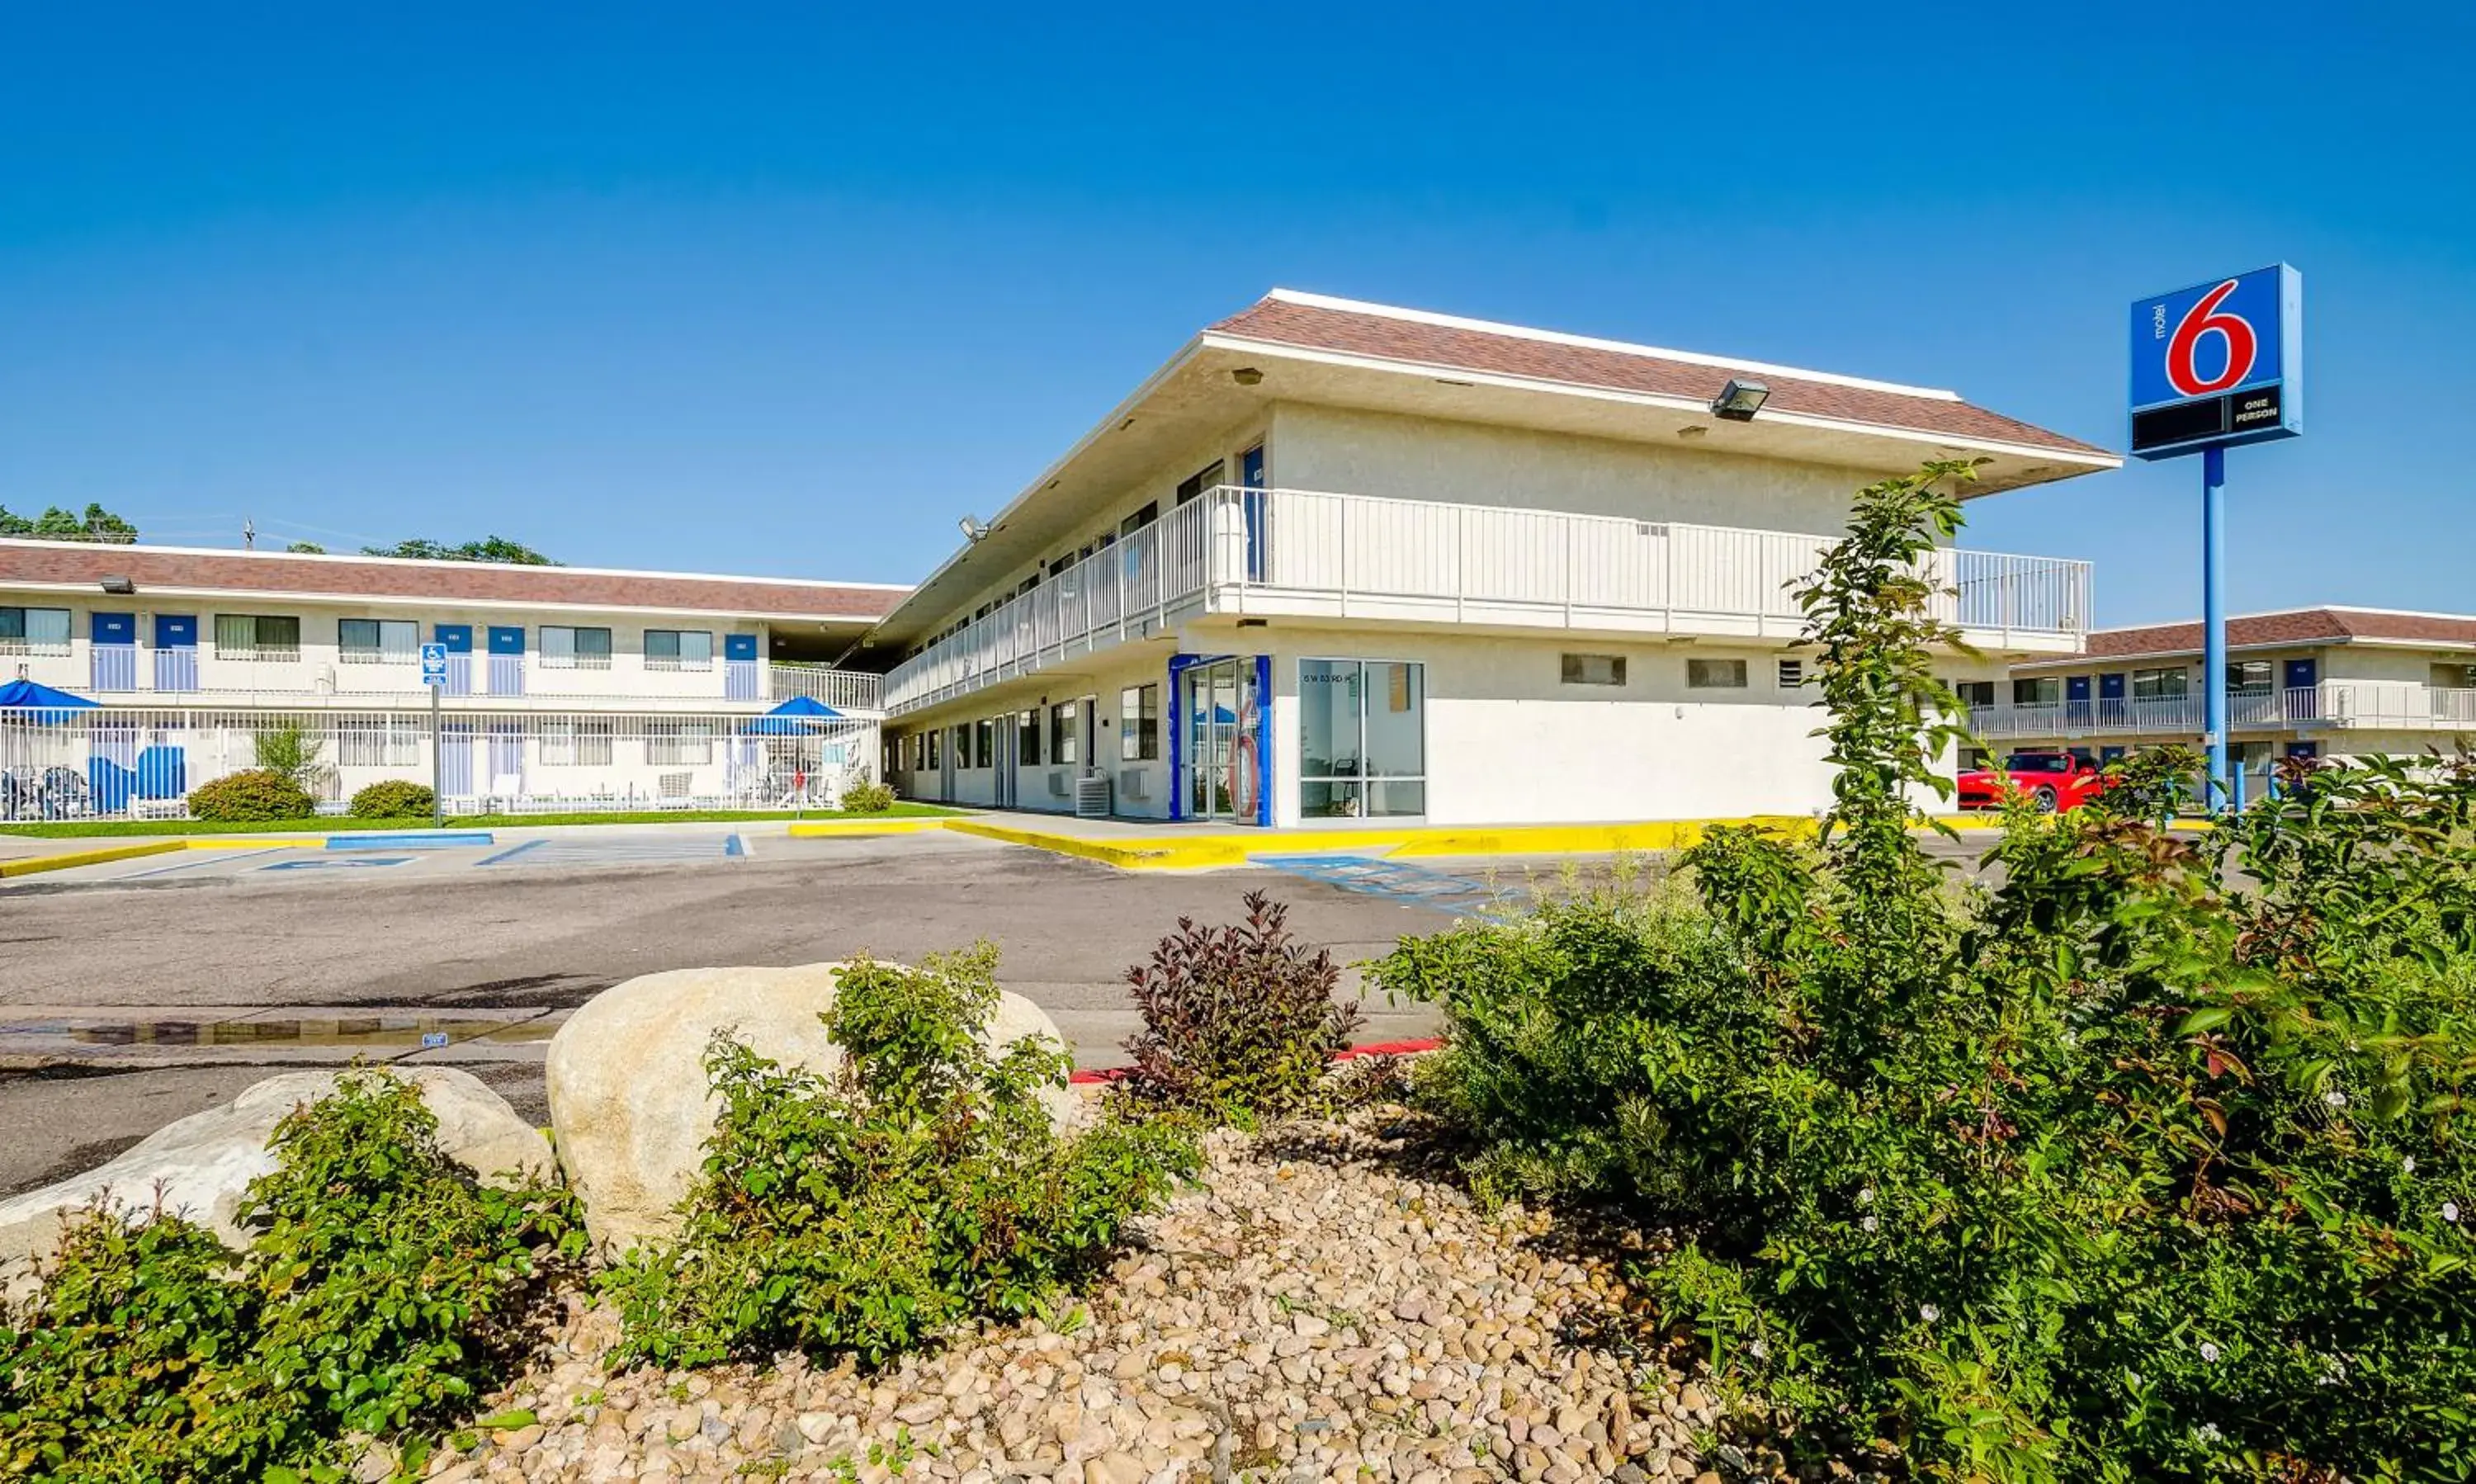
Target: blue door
x=2076, y=701
x=1250, y=472
x=2109, y=700
x=507, y=662
x=2303, y=682
x=176, y=652
x=459, y=639
x=739, y=667
x=116, y=652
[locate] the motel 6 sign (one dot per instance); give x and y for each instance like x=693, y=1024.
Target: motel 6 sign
x=2219, y=363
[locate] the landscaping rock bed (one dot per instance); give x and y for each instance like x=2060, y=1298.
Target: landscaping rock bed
x=1318, y=1307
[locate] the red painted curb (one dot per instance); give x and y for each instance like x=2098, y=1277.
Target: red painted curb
x=1105, y=1074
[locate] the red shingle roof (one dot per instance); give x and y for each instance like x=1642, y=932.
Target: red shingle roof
x=1284, y=320
x=271, y=572
x=2299, y=626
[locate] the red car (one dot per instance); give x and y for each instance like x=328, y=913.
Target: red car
x=2050, y=781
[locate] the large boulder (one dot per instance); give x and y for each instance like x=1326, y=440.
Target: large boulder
x=205, y=1161
x=629, y=1102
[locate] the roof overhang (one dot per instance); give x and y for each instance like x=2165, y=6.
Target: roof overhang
x=1193, y=398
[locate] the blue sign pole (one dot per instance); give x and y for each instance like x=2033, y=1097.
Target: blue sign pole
x=2216, y=364
x=2214, y=618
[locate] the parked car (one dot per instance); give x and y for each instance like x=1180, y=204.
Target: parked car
x=2051, y=780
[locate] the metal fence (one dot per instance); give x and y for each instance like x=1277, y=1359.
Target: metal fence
x=115, y=762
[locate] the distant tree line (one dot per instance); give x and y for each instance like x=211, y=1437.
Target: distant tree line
x=488, y=548
x=55, y=524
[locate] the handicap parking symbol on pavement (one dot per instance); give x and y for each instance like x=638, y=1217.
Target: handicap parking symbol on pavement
x=336, y=864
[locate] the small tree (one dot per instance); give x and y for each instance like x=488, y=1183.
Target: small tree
x=288, y=749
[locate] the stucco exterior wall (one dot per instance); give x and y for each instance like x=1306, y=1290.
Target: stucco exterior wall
x=1344, y=451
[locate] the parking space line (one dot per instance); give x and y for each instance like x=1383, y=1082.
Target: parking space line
x=219, y=858
x=510, y=852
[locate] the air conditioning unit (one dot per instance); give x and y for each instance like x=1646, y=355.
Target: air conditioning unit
x=1133, y=786
x=1092, y=796
x=1061, y=782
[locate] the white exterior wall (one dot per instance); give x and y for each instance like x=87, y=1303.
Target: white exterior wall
x=1344, y=451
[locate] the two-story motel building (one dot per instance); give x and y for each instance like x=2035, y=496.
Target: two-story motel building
x=2303, y=683
x=1338, y=560
x=566, y=687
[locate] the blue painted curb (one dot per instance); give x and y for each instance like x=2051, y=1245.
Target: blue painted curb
x=427, y=839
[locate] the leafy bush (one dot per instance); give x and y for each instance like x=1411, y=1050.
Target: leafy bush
x=1239, y=1022
x=919, y=1186
x=384, y=1290
x=253, y=793
x=288, y=749
x=867, y=798
x=2125, y=1168
x=395, y=799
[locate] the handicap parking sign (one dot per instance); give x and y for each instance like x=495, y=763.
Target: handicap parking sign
x=433, y=664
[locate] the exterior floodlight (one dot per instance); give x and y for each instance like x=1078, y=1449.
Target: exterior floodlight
x=973, y=530
x=119, y=586
x=1738, y=401
x=1247, y=375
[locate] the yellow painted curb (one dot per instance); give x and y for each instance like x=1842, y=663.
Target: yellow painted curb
x=69, y=859
x=828, y=829
x=1164, y=854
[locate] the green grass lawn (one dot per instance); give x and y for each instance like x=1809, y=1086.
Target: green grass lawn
x=78, y=828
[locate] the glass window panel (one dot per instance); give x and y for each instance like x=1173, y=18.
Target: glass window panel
x=2038, y=690
x=1329, y=718
x=1026, y=739
x=1714, y=674
x=1977, y=695
x=661, y=644
x=1397, y=715
x=1326, y=798
x=1392, y=798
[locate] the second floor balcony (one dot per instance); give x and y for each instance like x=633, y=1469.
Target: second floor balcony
x=323, y=675
x=1338, y=557
x=2332, y=704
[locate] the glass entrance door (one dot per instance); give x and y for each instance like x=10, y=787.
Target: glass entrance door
x=1211, y=740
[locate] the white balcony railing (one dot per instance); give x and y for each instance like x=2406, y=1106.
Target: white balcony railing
x=845, y=690
x=2331, y=703
x=1312, y=553
x=117, y=673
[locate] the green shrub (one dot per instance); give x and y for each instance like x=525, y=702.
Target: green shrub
x=253, y=793
x=2125, y=1168
x=867, y=798
x=1239, y=1022
x=918, y=1187
x=384, y=1290
x=288, y=749
x=395, y=799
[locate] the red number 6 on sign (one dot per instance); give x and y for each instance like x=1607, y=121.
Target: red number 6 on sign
x=2203, y=318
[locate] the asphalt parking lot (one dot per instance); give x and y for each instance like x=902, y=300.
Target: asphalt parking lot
x=136, y=991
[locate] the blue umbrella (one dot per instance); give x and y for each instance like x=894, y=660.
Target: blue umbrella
x=43, y=702
x=796, y=717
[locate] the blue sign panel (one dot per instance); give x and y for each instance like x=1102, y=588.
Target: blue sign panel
x=2219, y=363
x=433, y=664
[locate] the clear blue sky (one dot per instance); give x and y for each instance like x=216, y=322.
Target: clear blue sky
x=787, y=289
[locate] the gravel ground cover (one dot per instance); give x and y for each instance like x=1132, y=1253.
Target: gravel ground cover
x=1326, y=1304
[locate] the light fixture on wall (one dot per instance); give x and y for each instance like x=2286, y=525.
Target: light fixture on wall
x=1247, y=375
x=1693, y=430
x=973, y=530
x=118, y=587
x=1738, y=401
